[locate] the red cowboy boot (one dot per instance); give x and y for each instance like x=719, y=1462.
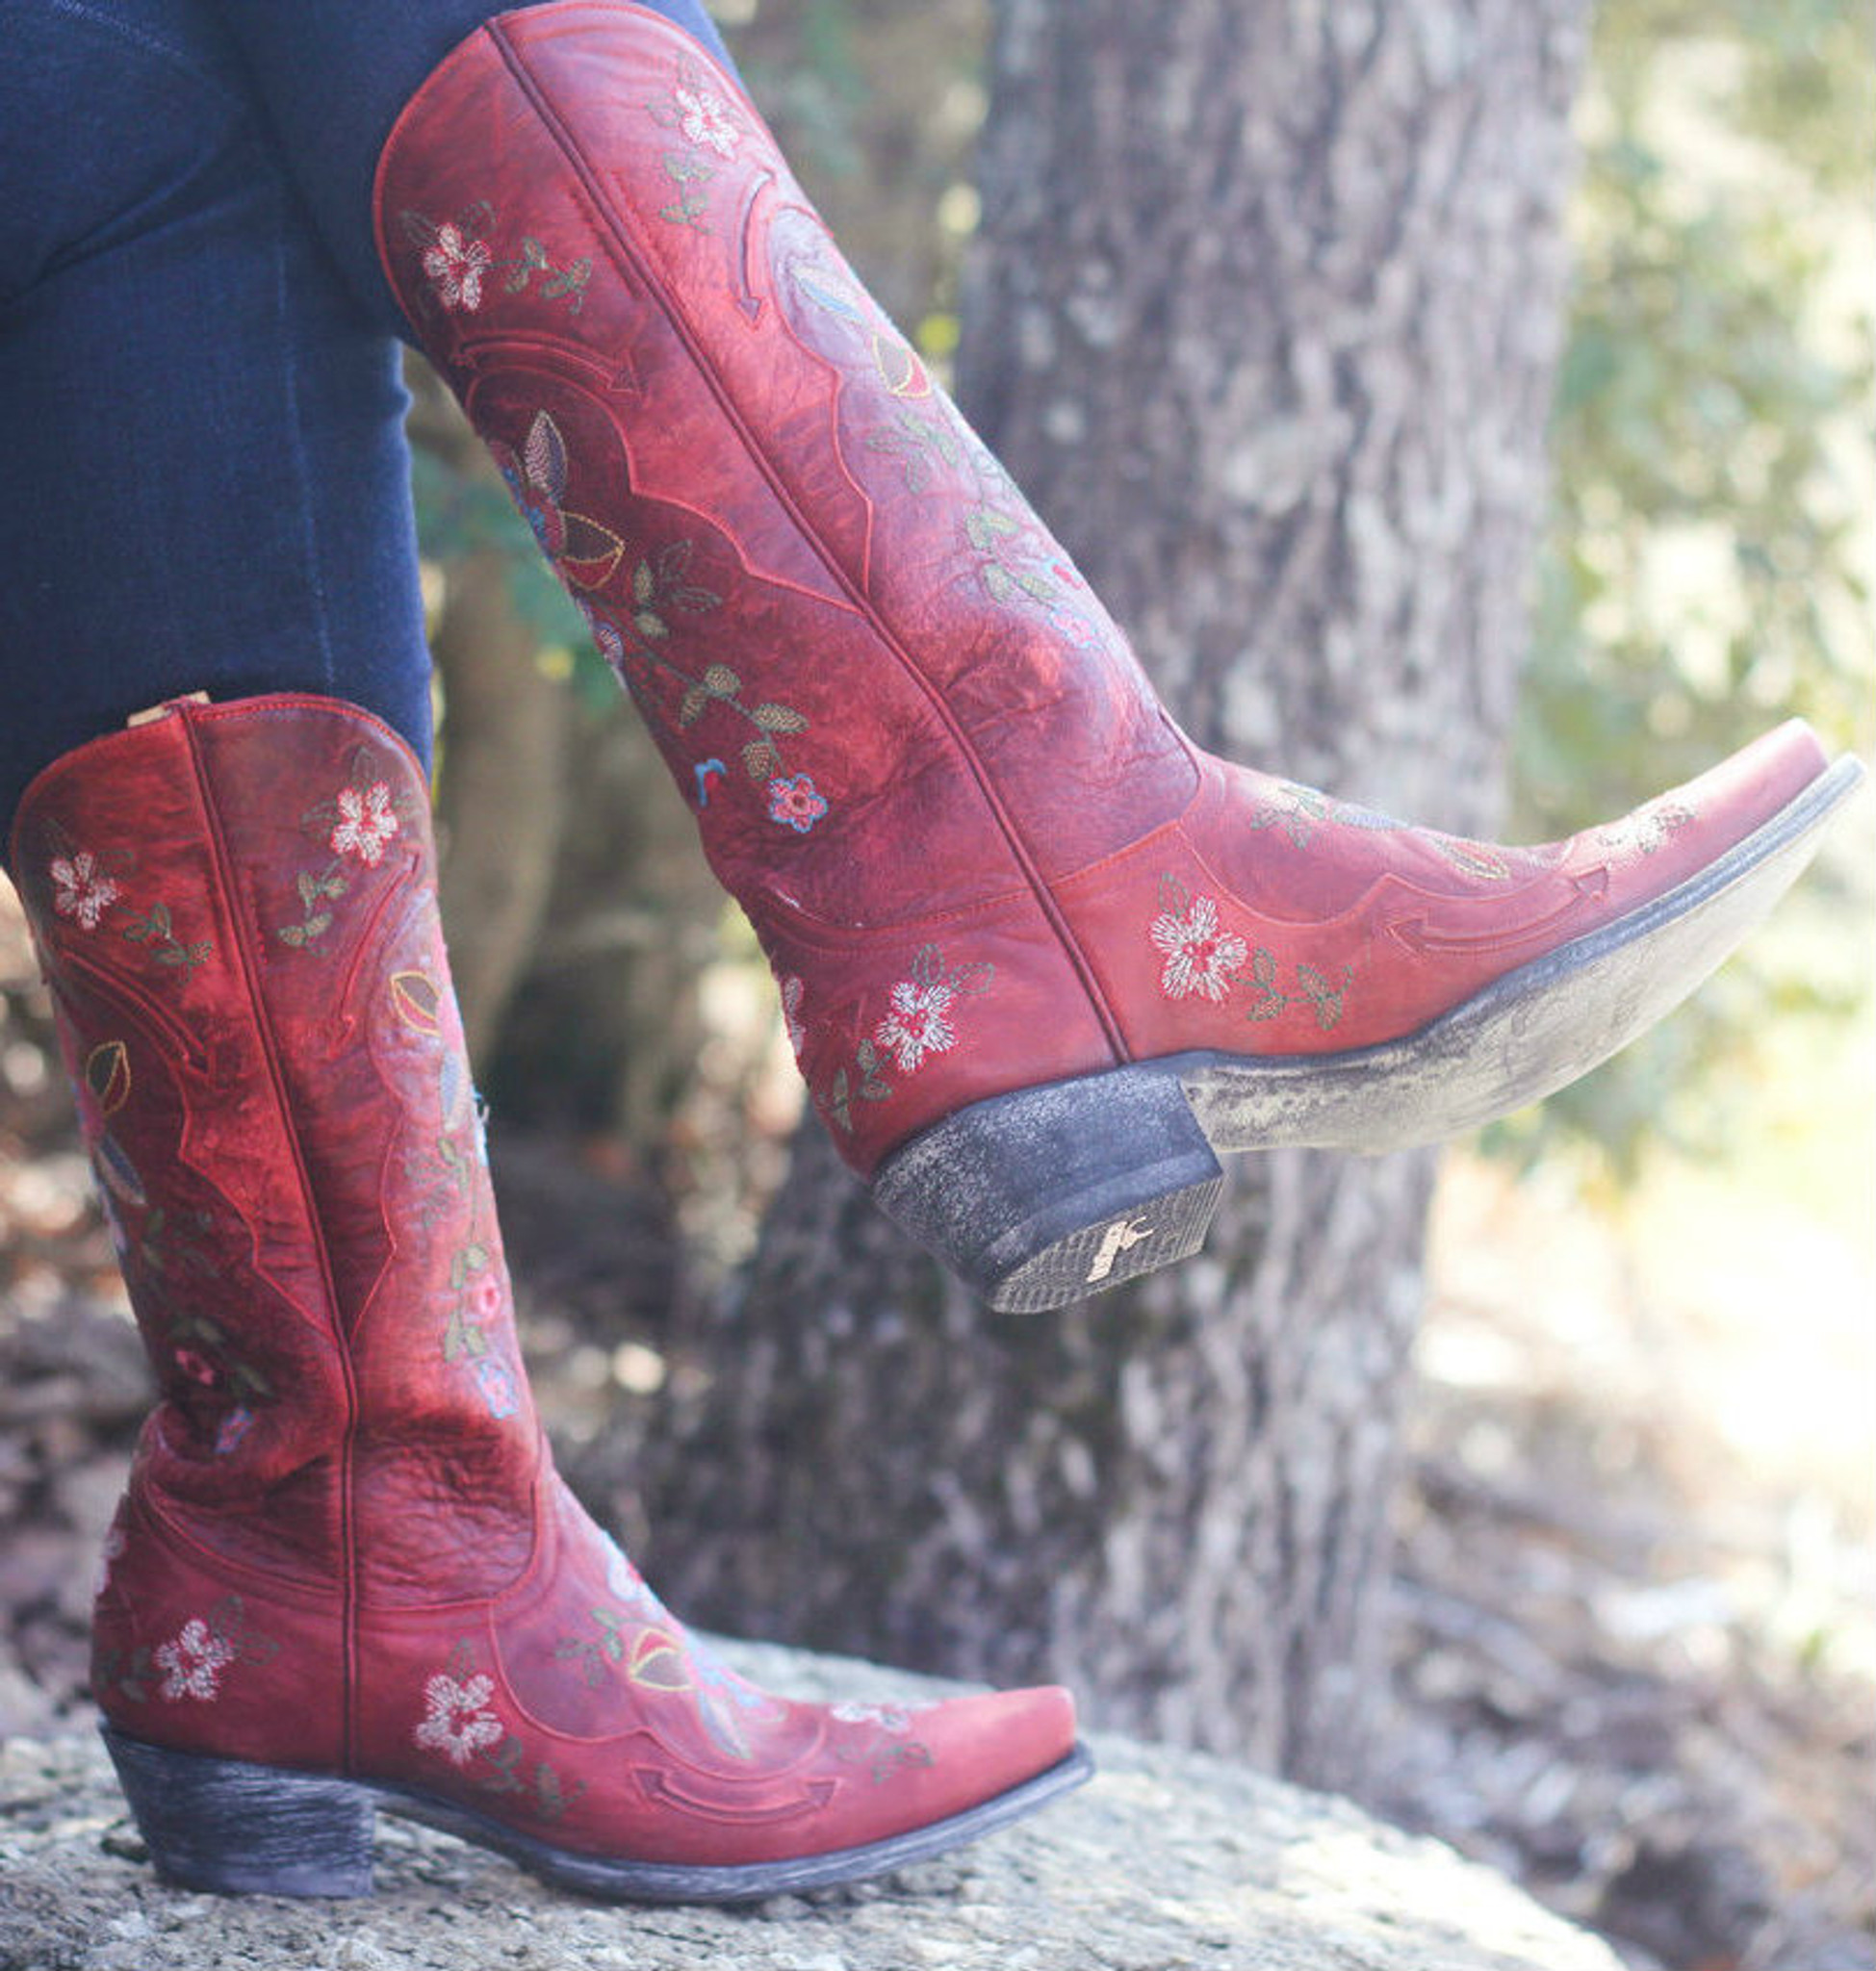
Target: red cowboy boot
x=1040, y=956
x=346, y=1575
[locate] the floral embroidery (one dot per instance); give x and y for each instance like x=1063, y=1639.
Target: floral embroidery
x=156, y=929
x=456, y=259
x=662, y=587
x=888, y=1757
x=500, y=1392
x=1296, y=810
x=584, y=552
x=193, y=1661
x=700, y=117
x=889, y=1717
x=192, y=1664
x=199, y=1348
x=367, y=823
x=455, y=265
x=83, y=891
x=919, y=1022
x=112, y=1552
x=1201, y=959
x=795, y=803
x=358, y=824
x=234, y=1426
x=793, y=992
x=704, y=118
x=916, y=1026
x=1324, y=996
x=457, y=1720
x=461, y=1725
x=1474, y=858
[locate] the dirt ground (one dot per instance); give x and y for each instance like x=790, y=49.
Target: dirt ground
x=1636, y=1594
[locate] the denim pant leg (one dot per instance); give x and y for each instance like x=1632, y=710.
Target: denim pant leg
x=206, y=482
x=334, y=75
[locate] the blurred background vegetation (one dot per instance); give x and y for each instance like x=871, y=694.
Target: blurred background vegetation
x=1708, y=569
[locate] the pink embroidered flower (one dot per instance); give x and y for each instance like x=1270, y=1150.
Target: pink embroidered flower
x=458, y=1722
x=1200, y=958
x=795, y=803
x=83, y=890
x=197, y=1367
x=793, y=992
x=455, y=265
x=704, y=118
x=367, y=823
x=487, y=1299
x=192, y=1664
x=916, y=1026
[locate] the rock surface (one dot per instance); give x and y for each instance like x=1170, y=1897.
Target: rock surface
x=1168, y=1860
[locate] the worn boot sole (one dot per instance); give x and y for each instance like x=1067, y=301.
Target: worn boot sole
x=236, y=1829
x=1042, y=1198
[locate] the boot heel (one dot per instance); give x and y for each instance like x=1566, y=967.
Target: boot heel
x=237, y=1828
x=1047, y=1196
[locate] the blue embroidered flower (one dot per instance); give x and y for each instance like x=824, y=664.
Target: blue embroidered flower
x=499, y=1389
x=794, y=803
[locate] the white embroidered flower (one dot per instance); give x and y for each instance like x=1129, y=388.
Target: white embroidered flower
x=455, y=265
x=366, y=823
x=705, y=117
x=889, y=1717
x=83, y=890
x=113, y=1552
x=458, y=1722
x=916, y=1026
x=1200, y=959
x=793, y=992
x=192, y=1664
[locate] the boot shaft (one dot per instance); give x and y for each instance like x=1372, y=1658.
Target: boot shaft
x=236, y=910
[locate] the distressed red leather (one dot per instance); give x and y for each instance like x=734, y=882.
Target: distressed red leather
x=921, y=755
x=345, y=1549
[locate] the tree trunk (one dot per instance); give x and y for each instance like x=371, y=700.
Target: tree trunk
x=1268, y=304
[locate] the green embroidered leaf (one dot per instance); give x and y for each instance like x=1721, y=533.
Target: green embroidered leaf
x=317, y=926
x=973, y=978
x=693, y=601
x=720, y=681
x=643, y=587
x=761, y=759
x=867, y=1053
x=696, y=699
x=998, y=581
x=649, y=625
x=926, y=965
x=778, y=718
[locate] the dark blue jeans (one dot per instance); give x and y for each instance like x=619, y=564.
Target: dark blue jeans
x=205, y=484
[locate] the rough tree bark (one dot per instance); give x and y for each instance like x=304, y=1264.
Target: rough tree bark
x=1268, y=302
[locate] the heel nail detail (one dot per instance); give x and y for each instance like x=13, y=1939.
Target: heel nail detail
x=1045, y=1196
x=226, y=1826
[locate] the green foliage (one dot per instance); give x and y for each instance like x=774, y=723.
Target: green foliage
x=1706, y=568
